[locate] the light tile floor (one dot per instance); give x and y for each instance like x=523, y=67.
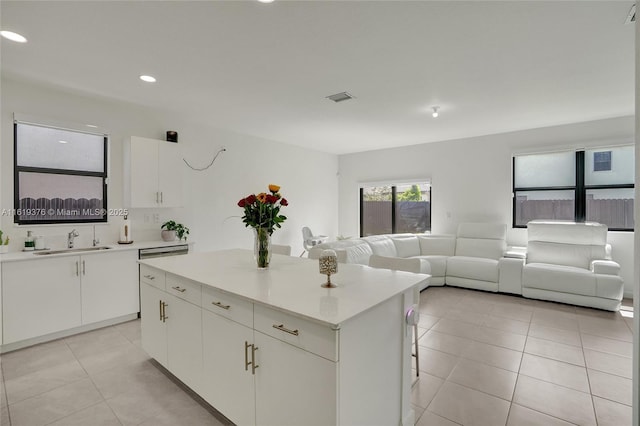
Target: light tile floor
x=99, y=378
x=490, y=359
x=485, y=359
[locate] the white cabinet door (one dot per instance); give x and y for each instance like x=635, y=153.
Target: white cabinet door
x=184, y=340
x=109, y=285
x=143, y=173
x=154, y=329
x=170, y=174
x=293, y=387
x=40, y=297
x=228, y=381
x=153, y=173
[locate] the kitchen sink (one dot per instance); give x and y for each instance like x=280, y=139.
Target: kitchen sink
x=75, y=250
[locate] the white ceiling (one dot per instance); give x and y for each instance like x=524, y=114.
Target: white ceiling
x=265, y=69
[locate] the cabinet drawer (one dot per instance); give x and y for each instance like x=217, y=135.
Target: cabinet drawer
x=184, y=289
x=308, y=335
x=152, y=276
x=228, y=306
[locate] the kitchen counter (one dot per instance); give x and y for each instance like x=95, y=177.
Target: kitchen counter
x=292, y=284
x=31, y=255
x=267, y=347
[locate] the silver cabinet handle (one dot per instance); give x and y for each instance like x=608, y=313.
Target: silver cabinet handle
x=150, y=277
x=77, y=269
x=177, y=288
x=220, y=305
x=160, y=309
x=157, y=197
x=83, y=268
x=161, y=197
x=281, y=327
x=254, y=348
x=164, y=312
x=246, y=356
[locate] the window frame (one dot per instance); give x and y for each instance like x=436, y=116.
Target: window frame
x=580, y=188
x=394, y=195
x=67, y=172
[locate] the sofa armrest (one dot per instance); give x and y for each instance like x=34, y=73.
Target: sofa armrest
x=605, y=267
x=515, y=252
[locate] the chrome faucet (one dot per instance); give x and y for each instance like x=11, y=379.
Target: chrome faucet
x=96, y=241
x=70, y=238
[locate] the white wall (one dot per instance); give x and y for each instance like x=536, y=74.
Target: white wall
x=308, y=178
x=471, y=178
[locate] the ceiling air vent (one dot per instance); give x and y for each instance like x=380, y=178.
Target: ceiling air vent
x=631, y=17
x=339, y=97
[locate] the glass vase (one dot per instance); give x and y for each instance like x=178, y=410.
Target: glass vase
x=262, y=247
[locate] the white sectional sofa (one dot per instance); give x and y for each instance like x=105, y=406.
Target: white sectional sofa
x=479, y=247
x=563, y=261
x=571, y=263
x=473, y=261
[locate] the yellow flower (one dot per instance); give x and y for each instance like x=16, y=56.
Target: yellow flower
x=262, y=197
x=274, y=188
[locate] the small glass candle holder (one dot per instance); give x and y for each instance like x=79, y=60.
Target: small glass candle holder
x=328, y=265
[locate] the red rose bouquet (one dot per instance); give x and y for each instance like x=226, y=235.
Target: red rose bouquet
x=262, y=213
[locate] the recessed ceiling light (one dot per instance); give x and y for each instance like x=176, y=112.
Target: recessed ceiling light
x=63, y=141
x=92, y=125
x=435, y=114
x=148, y=78
x=265, y=1
x=10, y=35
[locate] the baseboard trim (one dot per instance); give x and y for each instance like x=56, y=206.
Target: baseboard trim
x=9, y=347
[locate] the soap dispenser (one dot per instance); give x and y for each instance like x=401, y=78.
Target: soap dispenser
x=29, y=243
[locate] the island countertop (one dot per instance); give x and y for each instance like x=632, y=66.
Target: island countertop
x=292, y=284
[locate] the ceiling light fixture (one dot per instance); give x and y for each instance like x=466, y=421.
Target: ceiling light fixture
x=92, y=126
x=63, y=141
x=10, y=35
x=265, y=1
x=339, y=97
x=435, y=114
x=148, y=78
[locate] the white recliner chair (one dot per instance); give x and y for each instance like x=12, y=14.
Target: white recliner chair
x=309, y=240
x=571, y=263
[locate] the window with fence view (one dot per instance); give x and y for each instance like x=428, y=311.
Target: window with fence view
x=388, y=209
x=60, y=175
x=596, y=185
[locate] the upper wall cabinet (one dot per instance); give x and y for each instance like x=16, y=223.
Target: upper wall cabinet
x=152, y=173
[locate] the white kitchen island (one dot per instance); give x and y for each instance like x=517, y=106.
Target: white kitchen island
x=271, y=347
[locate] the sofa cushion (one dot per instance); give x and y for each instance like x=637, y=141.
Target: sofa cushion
x=406, y=246
x=381, y=245
x=438, y=264
x=347, y=251
x=414, y=264
x=587, y=233
x=475, y=268
x=480, y=247
x=576, y=255
x=485, y=240
x=564, y=279
x=438, y=245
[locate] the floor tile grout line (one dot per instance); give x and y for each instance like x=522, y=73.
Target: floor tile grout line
x=5, y=396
